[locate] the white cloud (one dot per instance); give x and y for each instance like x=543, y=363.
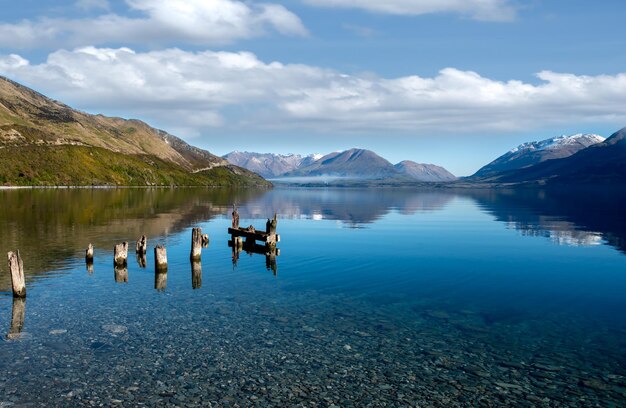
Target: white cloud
x=162, y=21
x=488, y=10
x=203, y=90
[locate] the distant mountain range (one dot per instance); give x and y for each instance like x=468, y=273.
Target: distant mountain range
x=270, y=165
x=576, y=159
x=44, y=142
x=352, y=163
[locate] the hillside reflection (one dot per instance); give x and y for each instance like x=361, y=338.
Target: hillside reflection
x=52, y=226
x=573, y=216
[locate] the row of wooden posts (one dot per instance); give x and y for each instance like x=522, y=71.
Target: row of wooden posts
x=120, y=251
x=120, y=258
x=269, y=238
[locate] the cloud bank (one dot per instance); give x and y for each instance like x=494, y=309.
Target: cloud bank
x=204, y=90
x=486, y=10
x=200, y=22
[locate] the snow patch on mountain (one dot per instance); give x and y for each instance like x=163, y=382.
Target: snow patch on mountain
x=556, y=142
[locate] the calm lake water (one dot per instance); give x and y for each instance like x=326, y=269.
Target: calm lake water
x=378, y=298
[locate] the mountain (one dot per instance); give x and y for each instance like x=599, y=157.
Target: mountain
x=356, y=163
x=531, y=153
x=349, y=164
x=601, y=163
x=424, y=172
x=44, y=142
x=269, y=164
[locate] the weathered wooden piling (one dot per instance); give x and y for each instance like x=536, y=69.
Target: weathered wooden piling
x=89, y=253
x=141, y=247
x=121, y=273
x=196, y=274
x=160, y=257
x=196, y=244
x=16, y=267
x=120, y=254
x=270, y=225
x=17, y=318
x=235, y=215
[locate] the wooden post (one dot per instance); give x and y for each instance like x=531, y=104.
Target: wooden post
x=120, y=254
x=89, y=253
x=121, y=274
x=17, y=318
x=90, y=267
x=196, y=244
x=270, y=225
x=160, y=257
x=196, y=274
x=17, y=274
x=205, y=240
x=160, y=268
x=235, y=218
x=238, y=242
x=141, y=247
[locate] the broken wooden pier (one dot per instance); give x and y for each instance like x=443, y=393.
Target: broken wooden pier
x=267, y=238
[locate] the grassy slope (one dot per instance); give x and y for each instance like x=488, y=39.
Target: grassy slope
x=83, y=166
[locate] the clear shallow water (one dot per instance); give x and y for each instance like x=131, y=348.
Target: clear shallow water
x=381, y=297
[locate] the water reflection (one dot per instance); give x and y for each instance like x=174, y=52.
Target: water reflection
x=51, y=225
x=573, y=216
x=55, y=224
x=160, y=279
x=142, y=261
x=354, y=207
x=18, y=313
x=196, y=274
x=121, y=274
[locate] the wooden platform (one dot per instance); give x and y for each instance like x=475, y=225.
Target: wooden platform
x=262, y=236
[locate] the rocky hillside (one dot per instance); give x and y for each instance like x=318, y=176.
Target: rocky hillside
x=44, y=142
x=424, y=172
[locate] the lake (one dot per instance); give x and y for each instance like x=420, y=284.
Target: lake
x=381, y=297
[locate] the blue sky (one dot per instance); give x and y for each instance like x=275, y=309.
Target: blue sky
x=451, y=82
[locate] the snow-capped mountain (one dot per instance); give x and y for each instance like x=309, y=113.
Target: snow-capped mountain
x=270, y=165
x=600, y=163
x=357, y=163
x=531, y=153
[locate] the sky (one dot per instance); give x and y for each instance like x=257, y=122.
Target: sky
x=451, y=82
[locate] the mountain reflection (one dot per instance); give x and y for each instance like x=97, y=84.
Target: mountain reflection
x=572, y=216
x=354, y=207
